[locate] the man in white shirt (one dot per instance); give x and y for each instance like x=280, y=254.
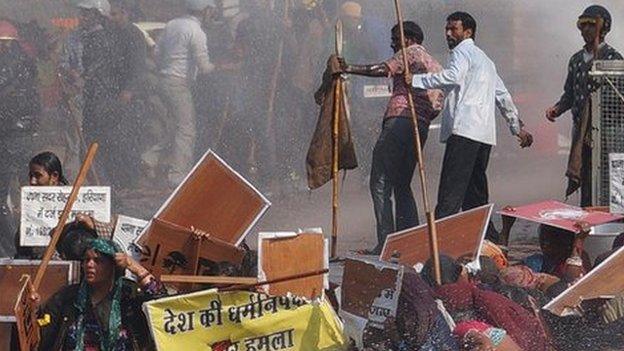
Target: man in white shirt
x=473, y=89
x=181, y=52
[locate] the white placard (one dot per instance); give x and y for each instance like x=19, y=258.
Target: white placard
x=377, y=91
x=42, y=207
x=127, y=230
x=386, y=304
x=616, y=180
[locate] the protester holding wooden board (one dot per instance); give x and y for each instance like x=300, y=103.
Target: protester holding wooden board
x=103, y=312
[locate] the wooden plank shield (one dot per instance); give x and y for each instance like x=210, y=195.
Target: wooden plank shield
x=459, y=236
x=603, y=282
x=213, y=198
x=58, y=275
x=289, y=254
x=26, y=317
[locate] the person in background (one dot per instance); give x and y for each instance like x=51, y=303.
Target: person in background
x=131, y=101
x=562, y=254
x=102, y=75
x=394, y=159
x=103, y=311
x=594, y=23
x=19, y=114
x=180, y=53
x=473, y=89
x=45, y=169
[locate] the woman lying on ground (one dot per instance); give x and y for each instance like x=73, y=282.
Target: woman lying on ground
x=418, y=326
x=466, y=302
x=44, y=169
x=103, y=312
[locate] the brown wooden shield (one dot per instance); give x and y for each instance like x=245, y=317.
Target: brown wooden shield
x=604, y=281
x=213, y=198
x=459, y=236
x=58, y=275
x=283, y=256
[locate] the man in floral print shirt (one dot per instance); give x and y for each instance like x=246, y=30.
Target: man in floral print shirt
x=393, y=156
x=576, y=97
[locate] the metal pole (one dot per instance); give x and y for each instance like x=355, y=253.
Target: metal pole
x=431, y=225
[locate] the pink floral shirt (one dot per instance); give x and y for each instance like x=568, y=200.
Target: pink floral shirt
x=428, y=103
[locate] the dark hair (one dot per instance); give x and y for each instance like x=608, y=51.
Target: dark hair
x=411, y=30
x=468, y=22
x=51, y=163
x=74, y=240
x=450, y=271
x=560, y=238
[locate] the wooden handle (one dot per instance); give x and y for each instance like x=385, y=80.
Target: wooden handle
x=433, y=236
x=203, y=279
x=277, y=280
x=82, y=174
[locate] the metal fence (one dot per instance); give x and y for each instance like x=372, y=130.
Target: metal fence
x=608, y=124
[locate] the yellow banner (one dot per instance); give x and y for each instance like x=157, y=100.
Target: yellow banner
x=243, y=321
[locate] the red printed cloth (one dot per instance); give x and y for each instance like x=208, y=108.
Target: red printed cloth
x=428, y=103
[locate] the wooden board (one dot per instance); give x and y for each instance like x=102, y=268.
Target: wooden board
x=171, y=250
x=459, y=236
x=288, y=254
x=58, y=275
x=215, y=199
x=25, y=311
x=603, y=281
x=362, y=282
x=560, y=215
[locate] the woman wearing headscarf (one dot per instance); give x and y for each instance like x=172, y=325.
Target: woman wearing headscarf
x=466, y=302
x=103, y=312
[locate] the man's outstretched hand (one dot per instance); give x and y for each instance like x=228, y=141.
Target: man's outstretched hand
x=552, y=113
x=525, y=138
x=408, y=79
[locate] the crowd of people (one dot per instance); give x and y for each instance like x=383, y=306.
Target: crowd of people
x=149, y=100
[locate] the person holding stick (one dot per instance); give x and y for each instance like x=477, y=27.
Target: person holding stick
x=394, y=159
x=103, y=312
x=473, y=90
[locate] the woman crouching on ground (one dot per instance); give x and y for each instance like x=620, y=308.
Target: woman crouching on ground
x=103, y=312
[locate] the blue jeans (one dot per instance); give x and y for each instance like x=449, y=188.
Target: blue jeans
x=393, y=166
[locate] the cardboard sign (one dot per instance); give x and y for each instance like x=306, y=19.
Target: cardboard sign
x=58, y=275
x=604, y=281
x=560, y=215
x=26, y=317
x=287, y=254
x=369, y=295
x=243, y=321
x=42, y=207
x=127, y=230
x=616, y=182
x=213, y=198
x=459, y=236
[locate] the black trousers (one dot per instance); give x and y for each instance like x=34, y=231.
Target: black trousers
x=391, y=175
x=586, y=177
x=463, y=182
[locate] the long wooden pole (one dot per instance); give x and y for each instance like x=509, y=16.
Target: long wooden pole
x=82, y=174
x=277, y=280
x=336, y=144
x=431, y=225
